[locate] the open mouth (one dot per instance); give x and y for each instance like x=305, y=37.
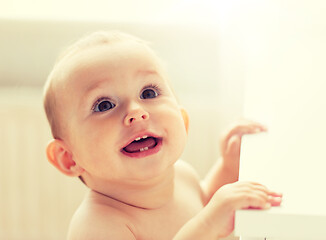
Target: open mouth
x=142, y=146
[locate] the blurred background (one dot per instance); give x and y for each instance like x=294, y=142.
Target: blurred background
x=210, y=49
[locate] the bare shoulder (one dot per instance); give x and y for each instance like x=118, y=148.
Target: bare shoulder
x=99, y=221
x=187, y=174
x=189, y=180
x=185, y=170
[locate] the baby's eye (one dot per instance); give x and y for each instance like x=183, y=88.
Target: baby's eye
x=103, y=105
x=148, y=93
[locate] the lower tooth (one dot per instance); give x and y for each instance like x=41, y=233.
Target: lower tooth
x=143, y=149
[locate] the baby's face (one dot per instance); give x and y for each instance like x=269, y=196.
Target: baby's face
x=121, y=118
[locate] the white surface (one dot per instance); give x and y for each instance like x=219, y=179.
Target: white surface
x=288, y=165
x=279, y=224
x=285, y=90
x=294, y=165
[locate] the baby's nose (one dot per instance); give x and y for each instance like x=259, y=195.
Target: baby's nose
x=136, y=114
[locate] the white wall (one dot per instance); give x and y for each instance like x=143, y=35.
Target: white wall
x=108, y=10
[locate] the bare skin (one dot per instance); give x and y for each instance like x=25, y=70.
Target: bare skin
x=139, y=223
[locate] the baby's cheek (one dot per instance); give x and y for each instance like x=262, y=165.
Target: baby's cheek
x=178, y=131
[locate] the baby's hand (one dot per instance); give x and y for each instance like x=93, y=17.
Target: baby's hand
x=231, y=141
x=235, y=196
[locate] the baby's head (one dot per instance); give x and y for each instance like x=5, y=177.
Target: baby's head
x=112, y=112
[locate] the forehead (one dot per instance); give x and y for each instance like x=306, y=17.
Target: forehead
x=109, y=59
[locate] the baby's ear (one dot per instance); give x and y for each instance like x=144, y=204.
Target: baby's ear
x=59, y=156
x=185, y=118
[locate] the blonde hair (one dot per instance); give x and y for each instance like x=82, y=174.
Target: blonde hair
x=94, y=39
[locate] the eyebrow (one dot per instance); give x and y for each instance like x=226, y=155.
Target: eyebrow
x=97, y=84
x=147, y=72
x=89, y=91
x=94, y=86
x=100, y=82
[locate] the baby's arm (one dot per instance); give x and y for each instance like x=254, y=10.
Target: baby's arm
x=216, y=220
x=226, y=169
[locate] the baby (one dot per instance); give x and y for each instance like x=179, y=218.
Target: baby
x=117, y=125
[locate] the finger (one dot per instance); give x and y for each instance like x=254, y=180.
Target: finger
x=256, y=195
x=247, y=127
x=258, y=189
x=274, y=198
x=251, y=195
x=248, y=124
x=255, y=186
x=255, y=200
x=275, y=201
x=276, y=194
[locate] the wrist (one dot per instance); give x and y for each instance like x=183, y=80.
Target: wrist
x=229, y=169
x=207, y=224
x=217, y=219
x=199, y=227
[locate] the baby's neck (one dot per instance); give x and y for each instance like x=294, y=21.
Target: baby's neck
x=151, y=194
